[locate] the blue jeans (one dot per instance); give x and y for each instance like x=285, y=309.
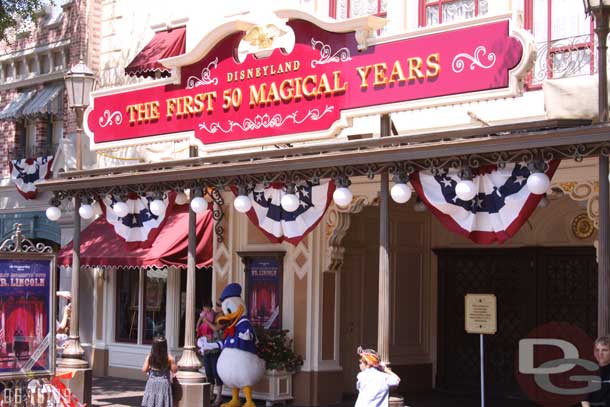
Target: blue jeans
x=210, y=359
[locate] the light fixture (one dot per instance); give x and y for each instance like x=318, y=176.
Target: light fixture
x=242, y=202
x=157, y=206
x=290, y=202
x=120, y=208
x=181, y=198
x=198, y=203
x=401, y=192
x=544, y=202
x=53, y=212
x=595, y=6
x=86, y=210
x=466, y=190
x=538, y=182
x=342, y=195
x=419, y=206
x=80, y=81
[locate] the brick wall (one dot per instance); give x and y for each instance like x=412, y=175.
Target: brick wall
x=78, y=26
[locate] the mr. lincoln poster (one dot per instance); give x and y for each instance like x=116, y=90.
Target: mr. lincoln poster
x=25, y=316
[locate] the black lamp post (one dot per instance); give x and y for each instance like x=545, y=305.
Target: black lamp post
x=80, y=81
x=600, y=10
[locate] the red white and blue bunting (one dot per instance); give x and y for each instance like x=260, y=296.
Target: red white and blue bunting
x=279, y=225
x=502, y=205
x=140, y=226
x=28, y=172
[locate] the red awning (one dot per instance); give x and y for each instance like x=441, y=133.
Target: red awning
x=164, y=44
x=100, y=246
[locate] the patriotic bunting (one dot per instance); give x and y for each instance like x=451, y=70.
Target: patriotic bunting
x=140, y=226
x=27, y=172
x=279, y=225
x=496, y=213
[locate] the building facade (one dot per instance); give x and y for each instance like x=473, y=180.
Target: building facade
x=330, y=279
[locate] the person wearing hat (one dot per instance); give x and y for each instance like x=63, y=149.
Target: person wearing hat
x=374, y=380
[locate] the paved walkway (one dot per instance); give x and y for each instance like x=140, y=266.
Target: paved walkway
x=115, y=392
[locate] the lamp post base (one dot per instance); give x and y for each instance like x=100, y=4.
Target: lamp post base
x=80, y=383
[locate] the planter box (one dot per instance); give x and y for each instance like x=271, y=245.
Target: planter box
x=274, y=387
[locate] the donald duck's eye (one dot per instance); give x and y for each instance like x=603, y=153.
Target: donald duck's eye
x=229, y=310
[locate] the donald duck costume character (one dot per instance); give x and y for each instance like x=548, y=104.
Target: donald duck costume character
x=238, y=366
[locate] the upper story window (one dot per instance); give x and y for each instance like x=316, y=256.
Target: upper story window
x=564, y=38
x=342, y=9
x=433, y=12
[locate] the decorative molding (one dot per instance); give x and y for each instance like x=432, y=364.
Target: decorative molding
x=582, y=191
x=327, y=56
x=338, y=221
x=458, y=64
x=108, y=119
x=206, y=76
x=265, y=121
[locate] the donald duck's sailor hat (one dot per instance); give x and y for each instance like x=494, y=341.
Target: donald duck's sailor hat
x=232, y=290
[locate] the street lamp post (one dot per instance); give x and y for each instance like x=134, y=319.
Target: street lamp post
x=80, y=81
x=600, y=10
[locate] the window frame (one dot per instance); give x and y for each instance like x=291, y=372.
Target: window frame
x=333, y=9
x=424, y=4
x=528, y=22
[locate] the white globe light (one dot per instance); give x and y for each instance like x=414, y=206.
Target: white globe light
x=181, y=198
x=86, y=211
x=466, y=190
x=401, y=193
x=120, y=209
x=53, y=213
x=342, y=196
x=157, y=207
x=290, y=202
x=538, y=183
x=242, y=204
x=199, y=204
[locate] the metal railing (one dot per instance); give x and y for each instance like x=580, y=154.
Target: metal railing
x=564, y=58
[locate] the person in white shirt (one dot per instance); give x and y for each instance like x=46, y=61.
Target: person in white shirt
x=374, y=380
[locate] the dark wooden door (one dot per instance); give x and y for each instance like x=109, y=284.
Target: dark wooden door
x=533, y=286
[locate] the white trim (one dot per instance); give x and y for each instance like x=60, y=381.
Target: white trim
x=34, y=50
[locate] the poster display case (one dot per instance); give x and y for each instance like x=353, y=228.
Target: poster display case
x=264, y=288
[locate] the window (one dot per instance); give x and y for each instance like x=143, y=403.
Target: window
x=128, y=308
x=30, y=138
x=433, y=12
x=58, y=133
x=155, y=288
x=203, y=295
x=127, y=290
x=566, y=44
x=342, y=9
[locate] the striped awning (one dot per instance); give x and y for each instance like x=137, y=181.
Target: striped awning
x=47, y=100
x=15, y=107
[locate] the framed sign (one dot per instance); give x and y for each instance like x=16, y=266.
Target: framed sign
x=27, y=315
x=481, y=315
x=264, y=288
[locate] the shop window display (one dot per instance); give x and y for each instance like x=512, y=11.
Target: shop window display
x=127, y=291
x=155, y=299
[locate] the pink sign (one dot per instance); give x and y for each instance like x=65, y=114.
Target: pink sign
x=306, y=90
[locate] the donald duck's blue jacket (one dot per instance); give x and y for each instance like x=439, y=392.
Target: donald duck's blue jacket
x=241, y=336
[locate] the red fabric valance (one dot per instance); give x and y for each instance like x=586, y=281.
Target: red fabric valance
x=165, y=44
x=100, y=246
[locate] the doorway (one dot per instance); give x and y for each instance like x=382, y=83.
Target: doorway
x=533, y=286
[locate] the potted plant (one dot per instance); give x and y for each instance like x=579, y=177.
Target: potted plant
x=275, y=348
